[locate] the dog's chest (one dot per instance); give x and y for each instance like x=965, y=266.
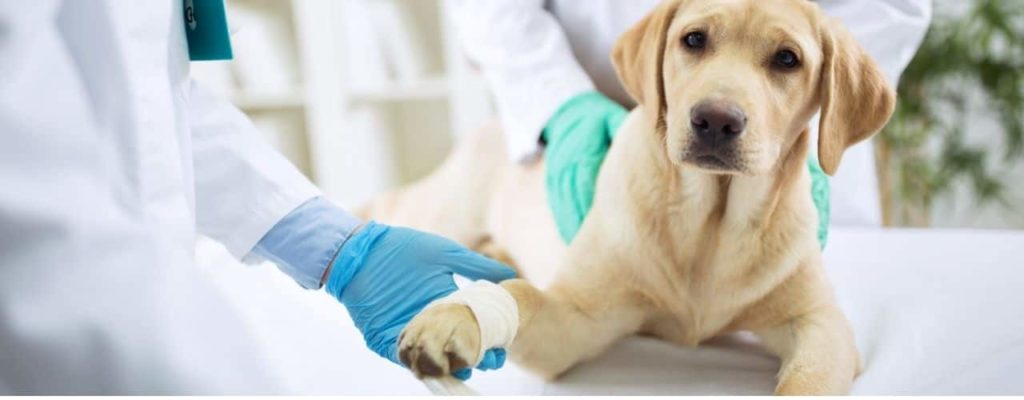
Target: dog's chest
x=712, y=274
x=702, y=304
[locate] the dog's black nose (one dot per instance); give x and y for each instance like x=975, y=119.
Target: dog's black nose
x=717, y=122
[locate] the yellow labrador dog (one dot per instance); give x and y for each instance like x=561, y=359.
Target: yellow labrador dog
x=702, y=224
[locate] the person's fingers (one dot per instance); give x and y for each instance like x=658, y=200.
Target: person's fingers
x=583, y=190
x=463, y=374
x=820, y=193
x=474, y=266
x=385, y=343
x=493, y=359
x=571, y=193
x=615, y=120
x=572, y=166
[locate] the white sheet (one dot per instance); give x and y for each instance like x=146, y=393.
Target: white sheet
x=935, y=312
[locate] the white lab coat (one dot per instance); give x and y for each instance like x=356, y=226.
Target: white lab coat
x=536, y=54
x=111, y=161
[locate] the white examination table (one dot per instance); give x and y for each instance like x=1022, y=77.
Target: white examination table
x=934, y=312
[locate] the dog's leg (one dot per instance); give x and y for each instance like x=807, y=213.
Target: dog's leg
x=566, y=325
x=819, y=356
x=557, y=329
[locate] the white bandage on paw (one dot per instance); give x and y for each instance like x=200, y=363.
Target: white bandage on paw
x=496, y=312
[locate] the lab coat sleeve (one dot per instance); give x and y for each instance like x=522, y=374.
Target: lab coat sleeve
x=891, y=31
x=305, y=243
x=526, y=59
x=243, y=186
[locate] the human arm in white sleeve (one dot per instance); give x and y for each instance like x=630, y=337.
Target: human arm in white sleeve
x=253, y=200
x=891, y=31
x=526, y=59
x=243, y=186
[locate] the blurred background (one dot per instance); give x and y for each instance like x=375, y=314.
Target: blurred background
x=362, y=95
x=365, y=95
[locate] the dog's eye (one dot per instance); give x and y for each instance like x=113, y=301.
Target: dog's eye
x=695, y=40
x=786, y=59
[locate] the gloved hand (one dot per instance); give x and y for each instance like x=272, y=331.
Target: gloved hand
x=385, y=275
x=578, y=137
x=821, y=193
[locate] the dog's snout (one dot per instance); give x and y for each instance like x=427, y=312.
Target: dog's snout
x=717, y=122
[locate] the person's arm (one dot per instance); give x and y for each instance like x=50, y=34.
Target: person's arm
x=891, y=31
x=543, y=96
x=243, y=187
x=527, y=62
x=254, y=201
x=383, y=275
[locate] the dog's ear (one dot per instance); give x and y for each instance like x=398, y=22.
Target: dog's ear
x=856, y=97
x=639, y=54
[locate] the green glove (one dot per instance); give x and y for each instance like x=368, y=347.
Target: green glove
x=578, y=137
x=820, y=192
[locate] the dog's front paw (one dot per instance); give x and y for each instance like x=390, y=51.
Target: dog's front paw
x=440, y=340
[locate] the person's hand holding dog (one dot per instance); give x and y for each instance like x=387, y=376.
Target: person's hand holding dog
x=578, y=137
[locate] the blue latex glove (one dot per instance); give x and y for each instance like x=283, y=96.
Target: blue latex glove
x=386, y=275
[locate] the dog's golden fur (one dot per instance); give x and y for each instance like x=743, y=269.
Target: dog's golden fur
x=672, y=248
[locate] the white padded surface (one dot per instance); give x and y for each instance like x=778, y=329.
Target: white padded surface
x=935, y=312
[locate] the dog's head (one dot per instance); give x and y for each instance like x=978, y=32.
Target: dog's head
x=732, y=84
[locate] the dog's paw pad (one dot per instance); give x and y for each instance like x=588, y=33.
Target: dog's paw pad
x=440, y=340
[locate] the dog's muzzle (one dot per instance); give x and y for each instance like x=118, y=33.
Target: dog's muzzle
x=716, y=127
